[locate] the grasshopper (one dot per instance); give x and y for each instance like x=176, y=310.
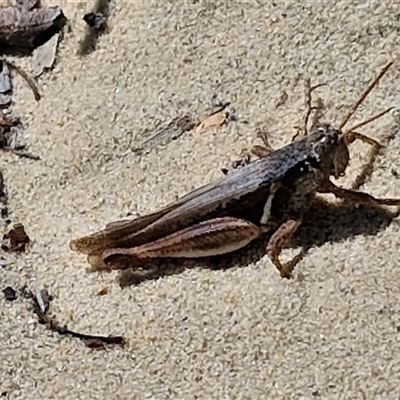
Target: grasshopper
x=271, y=193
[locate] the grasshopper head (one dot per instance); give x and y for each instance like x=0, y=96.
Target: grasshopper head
x=333, y=150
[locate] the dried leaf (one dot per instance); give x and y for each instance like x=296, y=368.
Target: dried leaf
x=97, y=25
x=165, y=134
x=15, y=239
x=96, y=20
x=10, y=294
x=23, y=28
x=216, y=119
x=5, y=85
x=102, y=291
x=43, y=299
x=9, y=132
x=44, y=56
x=282, y=99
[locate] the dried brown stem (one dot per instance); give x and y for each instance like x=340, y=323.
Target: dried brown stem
x=93, y=341
x=31, y=83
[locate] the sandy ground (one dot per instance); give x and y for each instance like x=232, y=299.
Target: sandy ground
x=240, y=333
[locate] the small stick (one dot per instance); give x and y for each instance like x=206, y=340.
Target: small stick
x=364, y=94
x=22, y=153
x=93, y=341
x=28, y=80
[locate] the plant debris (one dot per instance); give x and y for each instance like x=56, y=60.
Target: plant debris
x=26, y=26
x=5, y=85
x=10, y=294
x=102, y=291
x=31, y=83
x=96, y=20
x=41, y=304
x=282, y=99
x=258, y=151
x=219, y=117
x=97, y=25
x=241, y=162
x=10, y=127
x=3, y=198
x=45, y=55
x=43, y=299
x=165, y=134
x=15, y=239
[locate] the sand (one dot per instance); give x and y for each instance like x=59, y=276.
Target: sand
x=237, y=333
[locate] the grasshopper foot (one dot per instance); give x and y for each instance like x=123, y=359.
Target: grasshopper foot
x=283, y=270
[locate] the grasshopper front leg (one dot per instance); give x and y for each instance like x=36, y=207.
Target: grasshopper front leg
x=278, y=240
x=356, y=197
x=205, y=239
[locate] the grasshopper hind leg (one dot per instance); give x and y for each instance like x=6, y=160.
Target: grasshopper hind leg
x=205, y=239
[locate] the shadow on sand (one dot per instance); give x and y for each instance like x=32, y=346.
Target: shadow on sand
x=325, y=222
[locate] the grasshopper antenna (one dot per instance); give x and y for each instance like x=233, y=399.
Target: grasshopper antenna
x=351, y=135
x=369, y=120
x=364, y=94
